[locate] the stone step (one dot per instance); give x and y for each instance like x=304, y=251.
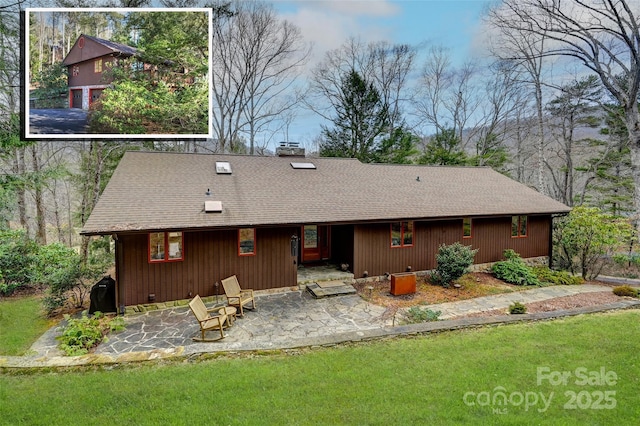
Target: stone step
x=332, y=290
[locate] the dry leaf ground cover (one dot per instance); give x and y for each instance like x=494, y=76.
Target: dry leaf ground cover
x=473, y=285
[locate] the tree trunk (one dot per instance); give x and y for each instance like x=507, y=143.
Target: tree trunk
x=19, y=169
x=635, y=170
x=541, y=181
x=41, y=223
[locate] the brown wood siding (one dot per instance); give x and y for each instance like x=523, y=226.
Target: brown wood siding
x=208, y=257
x=86, y=75
x=90, y=49
x=493, y=235
x=373, y=254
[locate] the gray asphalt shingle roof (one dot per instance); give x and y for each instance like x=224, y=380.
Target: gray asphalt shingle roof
x=155, y=190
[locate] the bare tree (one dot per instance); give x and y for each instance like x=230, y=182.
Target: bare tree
x=604, y=36
x=392, y=65
x=10, y=59
x=502, y=101
x=386, y=66
x=518, y=43
x=447, y=96
x=256, y=60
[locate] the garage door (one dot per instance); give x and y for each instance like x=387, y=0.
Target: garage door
x=76, y=98
x=95, y=94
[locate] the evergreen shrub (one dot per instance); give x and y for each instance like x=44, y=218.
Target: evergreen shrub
x=452, y=262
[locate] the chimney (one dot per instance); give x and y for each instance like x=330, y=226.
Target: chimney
x=290, y=149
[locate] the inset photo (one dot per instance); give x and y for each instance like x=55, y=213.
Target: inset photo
x=116, y=73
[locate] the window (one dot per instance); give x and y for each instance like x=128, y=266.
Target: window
x=310, y=236
x=401, y=234
x=246, y=241
x=75, y=71
x=97, y=66
x=165, y=246
x=466, y=227
x=137, y=66
x=518, y=226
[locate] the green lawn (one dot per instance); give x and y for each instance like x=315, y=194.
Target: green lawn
x=437, y=379
x=21, y=323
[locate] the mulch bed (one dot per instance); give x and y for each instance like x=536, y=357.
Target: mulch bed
x=474, y=285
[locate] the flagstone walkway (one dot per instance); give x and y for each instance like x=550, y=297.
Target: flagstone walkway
x=504, y=300
x=290, y=320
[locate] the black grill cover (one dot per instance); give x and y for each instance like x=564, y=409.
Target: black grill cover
x=103, y=296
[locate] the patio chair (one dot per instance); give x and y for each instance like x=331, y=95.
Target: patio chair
x=206, y=320
x=236, y=296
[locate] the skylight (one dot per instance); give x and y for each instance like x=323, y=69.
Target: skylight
x=303, y=165
x=223, y=167
x=213, y=206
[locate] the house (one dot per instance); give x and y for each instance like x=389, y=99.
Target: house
x=86, y=63
x=182, y=222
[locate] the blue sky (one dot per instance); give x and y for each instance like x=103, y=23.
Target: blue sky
x=327, y=23
x=453, y=24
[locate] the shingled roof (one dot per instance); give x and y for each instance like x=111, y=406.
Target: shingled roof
x=95, y=47
x=157, y=190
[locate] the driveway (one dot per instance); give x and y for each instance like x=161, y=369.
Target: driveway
x=57, y=121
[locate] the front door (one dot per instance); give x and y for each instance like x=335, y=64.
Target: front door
x=316, y=243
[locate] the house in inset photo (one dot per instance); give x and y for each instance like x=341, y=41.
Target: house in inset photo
x=87, y=62
x=135, y=72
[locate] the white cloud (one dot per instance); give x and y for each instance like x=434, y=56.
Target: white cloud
x=329, y=23
x=377, y=8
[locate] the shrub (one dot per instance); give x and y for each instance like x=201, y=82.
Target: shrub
x=585, y=236
x=625, y=290
x=67, y=276
x=416, y=314
x=624, y=259
x=517, y=308
x=514, y=270
x=452, y=262
x=549, y=276
x=17, y=257
x=82, y=334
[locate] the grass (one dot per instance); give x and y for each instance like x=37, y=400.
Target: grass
x=21, y=323
x=420, y=380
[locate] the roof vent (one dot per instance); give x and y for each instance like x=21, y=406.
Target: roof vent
x=303, y=165
x=223, y=168
x=213, y=206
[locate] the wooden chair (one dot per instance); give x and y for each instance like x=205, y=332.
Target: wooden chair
x=206, y=320
x=236, y=296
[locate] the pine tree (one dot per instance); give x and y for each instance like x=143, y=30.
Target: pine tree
x=444, y=149
x=361, y=119
x=610, y=185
